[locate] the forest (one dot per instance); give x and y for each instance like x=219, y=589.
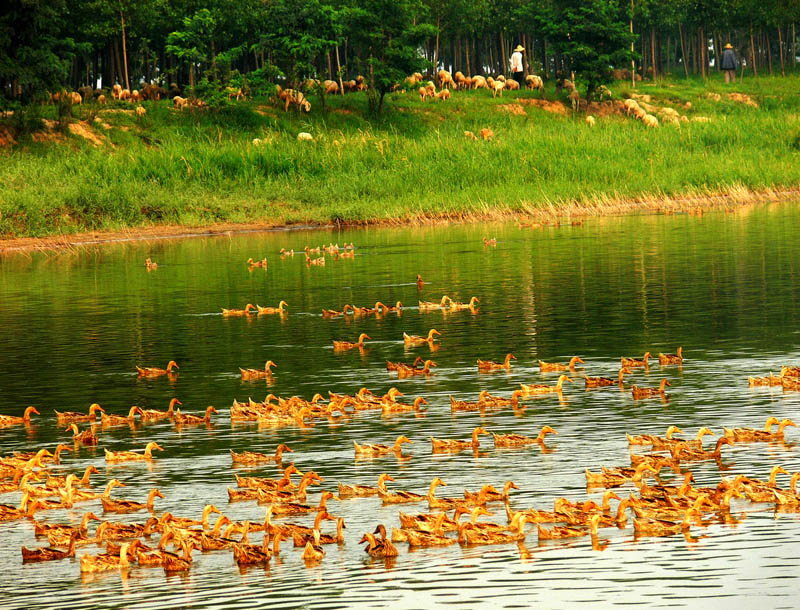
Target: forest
x=45, y=46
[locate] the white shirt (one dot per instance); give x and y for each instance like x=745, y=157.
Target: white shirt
x=516, y=62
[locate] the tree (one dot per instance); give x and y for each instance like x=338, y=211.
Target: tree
x=593, y=35
x=192, y=44
x=389, y=36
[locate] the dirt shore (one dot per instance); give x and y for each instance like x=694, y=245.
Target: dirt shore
x=729, y=199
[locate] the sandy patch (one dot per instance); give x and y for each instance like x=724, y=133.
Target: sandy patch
x=743, y=99
x=6, y=137
x=83, y=130
x=512, y=109
x=554, y=107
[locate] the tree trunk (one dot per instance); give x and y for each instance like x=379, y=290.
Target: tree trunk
x=466, y=49
x=780, y=50
x=633, y=50
x=544, y=59
x=339, y=71
x=653, y=47
x=794, y=51
x=436, y=54
x=683, y=51
x=753, y=51
x=769, y=53
x=118, y=75
x=503, y=53
x=124, y=48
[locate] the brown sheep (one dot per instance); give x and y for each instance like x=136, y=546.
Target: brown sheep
x=423, y=93
x=116, y=91
x=590, y=121
x=444, y=94
x=534, y=82
x=233, y=92
x=639, y=113
x=75, y=98
x=501, y=78
x=498, y=87
x=575, y=99
x=469, y=135
x=124, y=95
x=179, y=102
x=362, y=82
x=459, y=79
x=294, y=98
x=136, y=96
x=564, y=84
x=331, y=87
x=351, y=86
x=486, y=133
x=101, y=99
x=630, y=105
x=445, y=79
x=414, y=79
x=468, y=82
x=512, y=85
x=479, y=82
x=140, y=111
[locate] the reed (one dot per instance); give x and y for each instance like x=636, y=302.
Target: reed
x=414, y=165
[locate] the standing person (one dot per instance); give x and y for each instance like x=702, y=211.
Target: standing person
x=729, y=63
x=516, y=65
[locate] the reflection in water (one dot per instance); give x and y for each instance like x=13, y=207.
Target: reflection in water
x=722, y=285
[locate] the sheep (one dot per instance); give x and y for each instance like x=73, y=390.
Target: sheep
x=296, y=98
x=140, y=111
x=512, y=85
x=135, y=96
x=478, y=82
x=461, y=82
x=700, y=119
x=671, y=120
x=669, y=112
x=304, y=136
x=445, y=79
x=467, y=82
x=564, y=84
x=101, y=99
x=362, y=84
x=575, y=99
x=444, y=94
x=469, y=135
x=124, y=95
x=86, y=92
x=486, y=133
x=590, y=120
x=650, y=121
x=179, y=102
x=604, y=92
x=534, y=82
x=331, y=87
x=351, y=86
x=630, y=106
x=498, y=88
x=75, y=98
x=257, y=141
x=414, y=79
x=639, y=113
x=423, y=93
x=490, y=82
x=116, y=91
x=152, y=92
x=311, y=84
x=233, y=92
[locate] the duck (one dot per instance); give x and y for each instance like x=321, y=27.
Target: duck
x=743, y=435
x=552, y=367
x=469, y=534
x=432, y=306
x=790, y=371
x=130, y=456
x=251, y=457
x=557, y=532
x=248, y=309
x=485, y=526
x=120, y=420
x=389, y=407
x=487, y=399
x=156, y=414
x=105, y=562
x=78, y=495
x=152, y=371
x=444, y=503
x=11, y=420
x=378, y=548
x=331, y=313
x=42, y=528
x=129, y=506
x=88, y=437
x=261, y=263
x=280, y=309
x=633, y=362
x=160, y=556
x=20, y=481
x=643, y=526
x=301, y=539
x=682, y=452
x=398, y=497
x=393, y=366
x=420, y=282
x=345, y=345
x=284, y=482
x=358, y=311
x=12, y=513
x=518, y=440
x=150, y=264
x=490, y=365
x=309, y=250
x=362, y=491
x=457, y=306
x=185, y=522
x=489, y=242
x=379, y=450
x=313, y=551
x=384, y=309
x=284, y=252
x=600, y=382
x=671, y=358
x=67, y=417
x=642, y=393
x=404, y=371
x=769, y=380
x=490, y=494
x=414, y=538
x=109, y=530
x=245, y=553
x=61, y=535
x=760, y=491
x=415, y=340
x=280, y=495
x=442, y=445
x=258, y=373
x=778, y=436
x=543, y=388
x=783, y=497
x=649, y=439
x=188, y=419
x=319, y=261
x=426, y=522
x=617, y=477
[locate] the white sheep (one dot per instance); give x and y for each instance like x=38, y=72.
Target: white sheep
x=116, y=91
x=75, y=98
x=498, y=87
x=445, y=79
x=140, y=111
x=590, y=120
x=331, y=87
x=534, y=82
x=444, y=94
x=650, y=121
x=179, y=102
x=304, y=136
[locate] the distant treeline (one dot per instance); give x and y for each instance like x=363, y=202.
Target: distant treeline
x=74, y=43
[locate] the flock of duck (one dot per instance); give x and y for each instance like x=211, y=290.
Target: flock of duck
x=656, y=509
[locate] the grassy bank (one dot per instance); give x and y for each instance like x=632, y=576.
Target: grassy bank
x=201, y=167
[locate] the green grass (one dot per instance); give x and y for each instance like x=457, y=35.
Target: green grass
x=200, y=167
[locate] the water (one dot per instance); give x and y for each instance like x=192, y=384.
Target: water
x=75, y=325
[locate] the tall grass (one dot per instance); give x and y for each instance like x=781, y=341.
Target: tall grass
x=193, y=168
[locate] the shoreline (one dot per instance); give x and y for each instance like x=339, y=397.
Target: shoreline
x=727, y=198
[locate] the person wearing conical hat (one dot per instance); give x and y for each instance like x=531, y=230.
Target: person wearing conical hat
x=729, y=63
x=516, y=65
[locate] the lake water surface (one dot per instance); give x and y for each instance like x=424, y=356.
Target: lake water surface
x=725, y=286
